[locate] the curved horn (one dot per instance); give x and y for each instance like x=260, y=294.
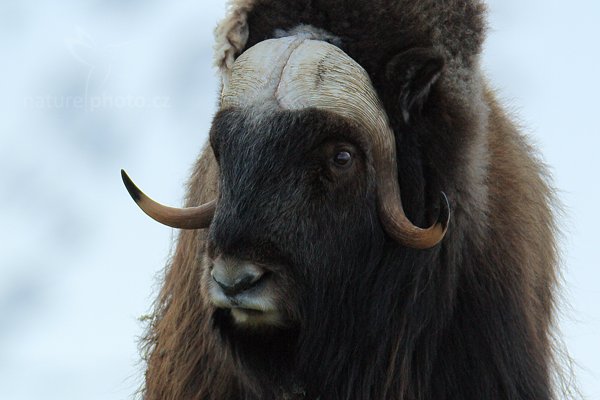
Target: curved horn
x=182, y=218
x=398, y=226
x=296, y=73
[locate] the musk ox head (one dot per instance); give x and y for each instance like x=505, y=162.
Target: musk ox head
x=308, y=185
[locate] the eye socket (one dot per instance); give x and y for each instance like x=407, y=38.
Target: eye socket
x=343, y=159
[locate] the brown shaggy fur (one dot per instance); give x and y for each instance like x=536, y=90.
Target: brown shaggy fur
x=500, y=249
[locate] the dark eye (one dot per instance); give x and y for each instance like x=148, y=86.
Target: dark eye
x=343, y=159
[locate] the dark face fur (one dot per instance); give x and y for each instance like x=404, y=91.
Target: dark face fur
x=296, y=198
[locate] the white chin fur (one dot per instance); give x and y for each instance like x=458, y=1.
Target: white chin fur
x=255, y=319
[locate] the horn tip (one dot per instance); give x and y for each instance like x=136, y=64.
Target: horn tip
x=444, y=217
x=134, y=191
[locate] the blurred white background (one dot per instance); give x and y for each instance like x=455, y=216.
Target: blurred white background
x=89, y=87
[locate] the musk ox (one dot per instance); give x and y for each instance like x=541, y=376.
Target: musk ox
x=303, y=270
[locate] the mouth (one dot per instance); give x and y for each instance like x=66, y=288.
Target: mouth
x=253, y=308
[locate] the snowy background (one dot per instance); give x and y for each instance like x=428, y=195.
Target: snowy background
x=89, y=87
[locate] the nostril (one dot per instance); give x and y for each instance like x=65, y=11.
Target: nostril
x=244, y=283
x=234, y=279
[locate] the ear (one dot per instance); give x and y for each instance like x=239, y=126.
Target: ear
x=411, y=75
